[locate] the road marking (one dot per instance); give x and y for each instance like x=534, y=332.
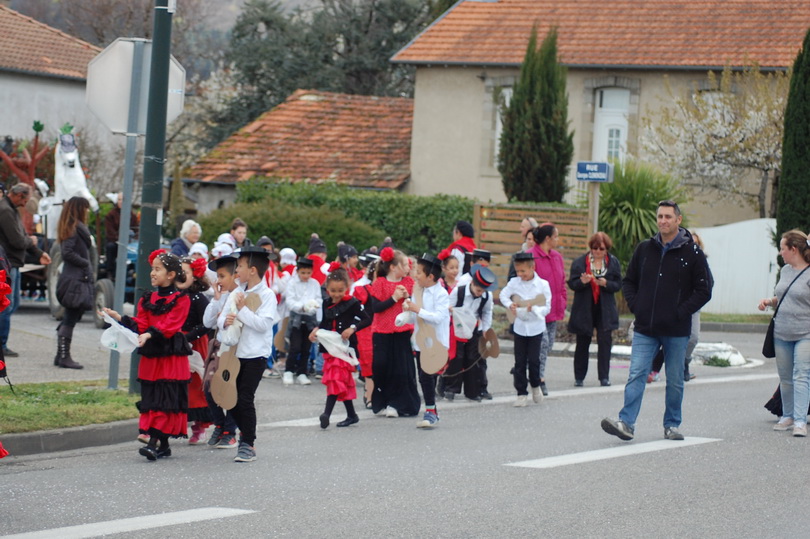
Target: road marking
x=611, y=453
x=555, y=394
x=124, y=525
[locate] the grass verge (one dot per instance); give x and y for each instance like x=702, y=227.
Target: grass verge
x=57, y=405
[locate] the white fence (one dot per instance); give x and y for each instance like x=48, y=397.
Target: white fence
x=742, y=257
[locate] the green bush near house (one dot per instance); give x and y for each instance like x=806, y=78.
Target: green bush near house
x=628, y=206
x=416, y=224
x=291, y=226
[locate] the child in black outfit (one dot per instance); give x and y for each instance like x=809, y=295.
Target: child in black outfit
x=343, y=314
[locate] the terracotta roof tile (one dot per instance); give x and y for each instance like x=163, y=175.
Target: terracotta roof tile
x=31, y=46
x=632, y=33
x=362, y=141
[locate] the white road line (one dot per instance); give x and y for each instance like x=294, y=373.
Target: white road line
x=611, y=453
x=461, y=402
x=124, y=525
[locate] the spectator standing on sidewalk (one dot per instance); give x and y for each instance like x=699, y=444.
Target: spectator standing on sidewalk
x=667, y=281
x=15, y=242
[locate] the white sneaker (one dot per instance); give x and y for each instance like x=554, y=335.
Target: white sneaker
x=536, y=395
x=391, y=412
x=287, y=379
x=304, y=380
x=521, y=401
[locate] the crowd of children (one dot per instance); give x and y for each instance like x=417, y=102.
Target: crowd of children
x=211, y=330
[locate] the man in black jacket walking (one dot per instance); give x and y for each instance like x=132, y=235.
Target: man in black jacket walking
x=667, y=280
x=15, y=242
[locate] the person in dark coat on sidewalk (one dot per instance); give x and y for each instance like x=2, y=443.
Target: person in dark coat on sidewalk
x=74, y=239
x=595, y=277
x=667, y=281
x=16, y=242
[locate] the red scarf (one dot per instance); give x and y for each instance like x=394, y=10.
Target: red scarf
x=595, y=288
x=465, y=245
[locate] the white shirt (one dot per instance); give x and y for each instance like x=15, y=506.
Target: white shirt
x=257, y=329
x=533, y=322
x=464, y=279
x=299, y=294
x=459, y=254
x=213, y=309
x=434, y=311
x=472, y=304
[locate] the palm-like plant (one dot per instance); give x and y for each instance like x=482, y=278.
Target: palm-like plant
x=627, y=207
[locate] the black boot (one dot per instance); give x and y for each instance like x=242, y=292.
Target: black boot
x=63, y=338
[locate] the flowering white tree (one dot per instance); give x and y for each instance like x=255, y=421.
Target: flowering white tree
x=726, y=138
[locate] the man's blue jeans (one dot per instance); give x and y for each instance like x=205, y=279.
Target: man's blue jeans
x=5, y=316
x=643, y=351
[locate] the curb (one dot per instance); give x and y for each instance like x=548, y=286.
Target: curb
x=730, y=327
x=49, y=441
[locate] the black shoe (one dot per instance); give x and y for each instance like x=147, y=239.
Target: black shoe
x=449, y=396
x=161, y=453
x=324, y=420
x=477, y=398
x=486, y=395
x=8, y=352
x=578, y=383
x=349, y=421
x=543, y=389
x=617, y=428
x=149, y=452
x=605, y=382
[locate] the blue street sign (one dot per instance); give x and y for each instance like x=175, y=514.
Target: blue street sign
x=590, y=171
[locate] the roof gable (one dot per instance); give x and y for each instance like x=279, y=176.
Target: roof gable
x=362, y=141
x=685, y=34
x=30, y=46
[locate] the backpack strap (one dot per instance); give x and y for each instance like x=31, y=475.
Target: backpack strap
x=460, y=300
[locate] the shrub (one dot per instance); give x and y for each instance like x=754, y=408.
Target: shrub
x=415, y=223
x=291, y=226
x=628, y=206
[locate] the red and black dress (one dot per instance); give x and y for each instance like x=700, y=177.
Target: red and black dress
x=197, y=336
x=338, y=375
x=163, y=371
x=394, y=365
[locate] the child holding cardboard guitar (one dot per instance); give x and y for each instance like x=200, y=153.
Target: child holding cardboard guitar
x=256, y=307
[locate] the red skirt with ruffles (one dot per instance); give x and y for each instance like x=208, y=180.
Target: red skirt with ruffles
x=338, y=378
x=164, y=396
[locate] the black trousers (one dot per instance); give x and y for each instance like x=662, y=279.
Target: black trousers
x=247, y=381
x=427, y=382
x=604, y=341
x=465, y=362
x=527, y=354
x=298, y=354
x=111, y=250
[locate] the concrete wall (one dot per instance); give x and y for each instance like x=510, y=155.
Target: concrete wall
x=210, y=197
x=742, y=257
x=453, y=144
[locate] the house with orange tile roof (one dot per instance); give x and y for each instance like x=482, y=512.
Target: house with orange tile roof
x=618, y=54
x=43, y=72
x=315, y=137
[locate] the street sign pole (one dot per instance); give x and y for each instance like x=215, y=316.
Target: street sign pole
x=126, y=204
x=154, y=155
x=594, y=173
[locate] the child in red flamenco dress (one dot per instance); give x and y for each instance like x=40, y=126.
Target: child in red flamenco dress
x=163, y=371
x=342, y=314
x=5, y=290
x=199, y=414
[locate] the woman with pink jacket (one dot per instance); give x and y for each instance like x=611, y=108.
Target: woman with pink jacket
x=548, y=264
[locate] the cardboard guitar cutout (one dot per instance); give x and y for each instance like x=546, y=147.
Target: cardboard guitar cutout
x=538, y=301
x=433, y=355
x=488, y=345
x=223, y=381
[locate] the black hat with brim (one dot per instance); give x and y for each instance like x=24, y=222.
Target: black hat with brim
x=484, y=277
x=217, y=263
x=253, y=250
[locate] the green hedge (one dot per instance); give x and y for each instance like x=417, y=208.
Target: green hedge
x=291, y=226
x=415, y=223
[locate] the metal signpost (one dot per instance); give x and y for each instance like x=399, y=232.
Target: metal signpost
x=594, y=173
x=118, y=80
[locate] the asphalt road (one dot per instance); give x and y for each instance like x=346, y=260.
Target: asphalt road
x=385, y=478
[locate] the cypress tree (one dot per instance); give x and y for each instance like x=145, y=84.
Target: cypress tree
x=794, y=185
x=535, y=147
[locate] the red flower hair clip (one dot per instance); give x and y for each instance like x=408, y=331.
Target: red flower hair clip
x=444, y=254
x=387, y=254
x=154, y=254
x=333, y=266
x=198, y=267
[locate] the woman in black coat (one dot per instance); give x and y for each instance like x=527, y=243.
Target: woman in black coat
x=77, y=272
x=595, y=277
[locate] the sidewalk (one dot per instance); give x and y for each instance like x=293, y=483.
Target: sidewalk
x=33, y=336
